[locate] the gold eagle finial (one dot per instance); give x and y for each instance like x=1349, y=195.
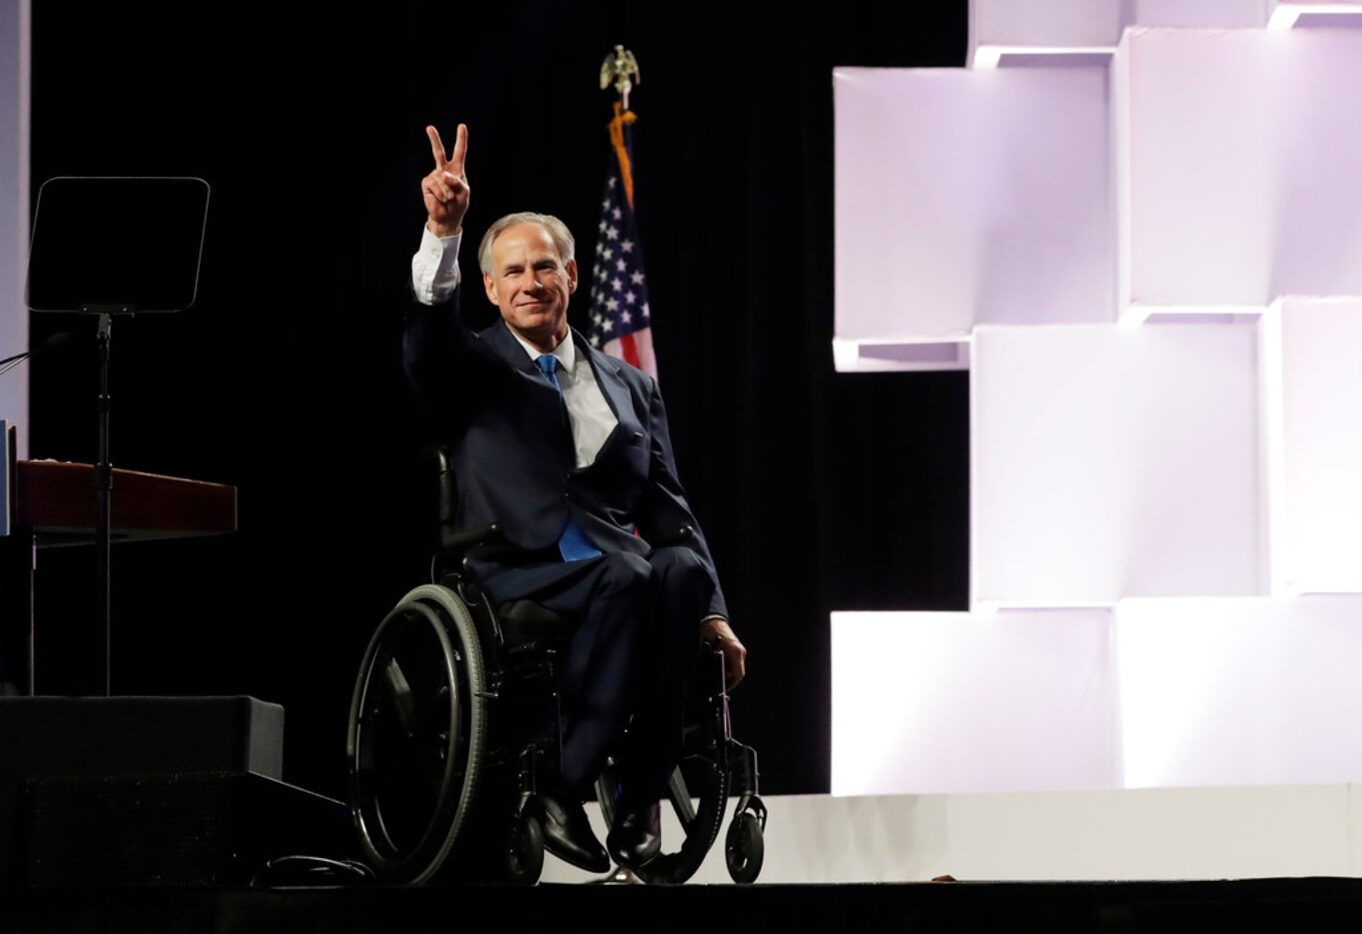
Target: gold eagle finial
x=621, y=69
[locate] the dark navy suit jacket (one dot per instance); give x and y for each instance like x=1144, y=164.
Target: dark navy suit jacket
x=512, y=446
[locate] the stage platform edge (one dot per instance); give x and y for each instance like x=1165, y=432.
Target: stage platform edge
x=1249, y=832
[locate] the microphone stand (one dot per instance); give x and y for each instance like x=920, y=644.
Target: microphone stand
x=104, y=528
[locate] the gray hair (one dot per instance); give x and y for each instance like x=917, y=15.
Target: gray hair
x=557, y=230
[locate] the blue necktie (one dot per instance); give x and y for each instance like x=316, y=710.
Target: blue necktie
x=573, y=543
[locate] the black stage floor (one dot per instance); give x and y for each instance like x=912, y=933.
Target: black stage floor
x=1280, y=904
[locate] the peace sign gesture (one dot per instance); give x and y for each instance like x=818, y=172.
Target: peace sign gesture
x=445, y=189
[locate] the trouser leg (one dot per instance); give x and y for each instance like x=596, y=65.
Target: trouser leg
x=639, y=620
x=604, y=662
x=680, y=595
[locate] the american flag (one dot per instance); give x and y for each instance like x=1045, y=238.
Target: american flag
x=621, y=321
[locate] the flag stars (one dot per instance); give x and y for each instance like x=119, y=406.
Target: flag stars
x=645, y=310
x=612, y=232
x=607, y=253
x=621, y=265
x=627, y=246
x=625, y=317
x=608, y=326
x=636, y=278
x=611, y=182
x=630, y=298
x=616, y=284
x=612, y=305
x=615, y=213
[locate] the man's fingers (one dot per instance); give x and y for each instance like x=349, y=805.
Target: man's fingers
x=436, y=146
x=735, y=662
x=437, y=190
x=737, y=671
x=460, y=149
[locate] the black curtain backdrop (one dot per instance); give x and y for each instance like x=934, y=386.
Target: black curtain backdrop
x=818, y=491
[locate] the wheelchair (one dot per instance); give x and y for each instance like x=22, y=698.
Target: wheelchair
x=454, y=710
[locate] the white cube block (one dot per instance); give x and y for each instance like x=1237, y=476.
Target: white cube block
x=1240, y=692
x=936, y=702
x=1317, y=445
x=965, y=198
x=1238, y=182
x=1111, y=462
x=1001, y=29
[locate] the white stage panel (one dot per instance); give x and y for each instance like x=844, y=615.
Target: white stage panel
x=930, y=702
x=1248, y=692
x=1241, y=173
x=1000, y=28
x=1320, y=541
x=1285, y=14
x=969, y=197
x=1109, y=462
x=15, y=21
x=1049, y=25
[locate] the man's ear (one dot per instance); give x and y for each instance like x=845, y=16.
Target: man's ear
x=572, y=275
x=490, y=287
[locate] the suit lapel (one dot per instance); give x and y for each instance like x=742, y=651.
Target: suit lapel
x=607, y=377
x=503, y=343
x=545, y=415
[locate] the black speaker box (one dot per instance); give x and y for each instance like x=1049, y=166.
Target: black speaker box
x=68, y=737
x=191, y=829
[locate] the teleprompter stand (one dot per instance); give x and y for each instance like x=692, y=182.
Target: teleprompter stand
x=110, y=247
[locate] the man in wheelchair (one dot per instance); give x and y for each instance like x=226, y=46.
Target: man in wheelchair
x=566, y=451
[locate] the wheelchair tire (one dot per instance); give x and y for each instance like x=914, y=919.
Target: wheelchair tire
x=703, y=829
x=523, y=853
x=744, y=848
x=417, y=735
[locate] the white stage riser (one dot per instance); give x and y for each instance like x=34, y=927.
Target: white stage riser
x=1200, y=833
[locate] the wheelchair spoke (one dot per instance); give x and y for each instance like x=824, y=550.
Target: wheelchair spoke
x=399, y=694
x=680, y=795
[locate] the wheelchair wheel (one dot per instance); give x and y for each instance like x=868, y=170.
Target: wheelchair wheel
x=709, y=783
x=417, y=734
x=523, y=852
x=744, y=848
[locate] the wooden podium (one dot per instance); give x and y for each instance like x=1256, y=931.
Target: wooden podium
x=53, y=504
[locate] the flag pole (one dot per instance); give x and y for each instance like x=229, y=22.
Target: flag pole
x=621, y=316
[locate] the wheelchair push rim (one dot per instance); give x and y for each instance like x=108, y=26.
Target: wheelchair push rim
x=417, y=734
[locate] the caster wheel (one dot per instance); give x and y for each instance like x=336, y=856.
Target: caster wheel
x=524, y=852
x=744, y=848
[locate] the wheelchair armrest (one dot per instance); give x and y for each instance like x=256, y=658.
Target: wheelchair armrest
x=681, y=536
x=452, y=541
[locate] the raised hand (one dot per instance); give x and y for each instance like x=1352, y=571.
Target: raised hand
x=445, y=189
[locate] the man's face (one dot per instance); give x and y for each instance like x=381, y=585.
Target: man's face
x=531, y=284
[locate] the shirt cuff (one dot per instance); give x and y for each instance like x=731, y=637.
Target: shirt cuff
x=435, y=267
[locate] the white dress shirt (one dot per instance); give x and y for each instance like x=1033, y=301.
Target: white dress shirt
x=435, y=276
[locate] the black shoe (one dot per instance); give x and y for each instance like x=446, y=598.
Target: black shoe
x=636, y=836
x=568, y=834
